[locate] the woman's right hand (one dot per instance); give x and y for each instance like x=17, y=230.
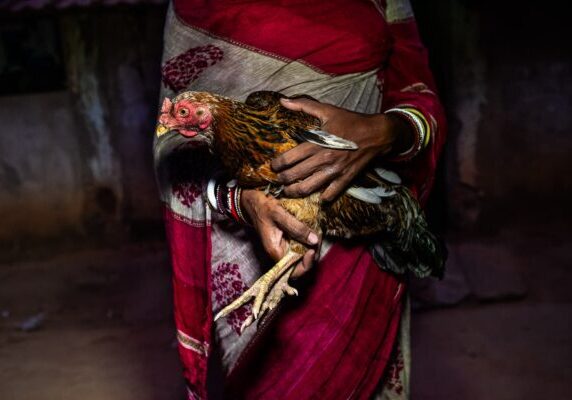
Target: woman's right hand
x=275, y=225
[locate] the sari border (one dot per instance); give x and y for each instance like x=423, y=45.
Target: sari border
x=196, y=223
x=250, y=48
x=191, y=343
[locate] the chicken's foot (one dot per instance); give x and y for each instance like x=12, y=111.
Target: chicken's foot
x=274, y=297
x=264, y=284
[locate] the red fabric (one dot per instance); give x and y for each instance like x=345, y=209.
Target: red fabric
x=407, y=80
x=190, y=256
x=340, y=335
x=335, y=36
x=336, y=342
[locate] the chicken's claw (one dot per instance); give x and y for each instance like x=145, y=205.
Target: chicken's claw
x=268, y=282
x=246, y=323
x=275, y=192
x=277, y=293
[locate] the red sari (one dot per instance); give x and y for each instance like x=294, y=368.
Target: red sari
x=335, y=341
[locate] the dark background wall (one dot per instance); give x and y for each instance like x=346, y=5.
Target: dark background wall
x=505, y=74
x=76, y=162
x=76, y=172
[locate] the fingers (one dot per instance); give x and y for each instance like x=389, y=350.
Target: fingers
x=343, y=180
x=295, y=229
x=320, y=159
x=272, y=222
x=336, y=187
x=312, y=107
x=313, y=183
x=294, y=156
x=305, y=265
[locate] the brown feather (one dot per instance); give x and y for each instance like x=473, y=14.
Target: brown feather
x=248, y=136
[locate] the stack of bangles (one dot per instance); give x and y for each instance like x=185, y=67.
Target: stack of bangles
x=225, y=199
x=421, y=127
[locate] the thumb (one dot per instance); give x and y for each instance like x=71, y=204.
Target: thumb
x=311, y=107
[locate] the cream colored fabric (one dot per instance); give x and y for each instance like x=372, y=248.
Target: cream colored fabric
x=241, y=71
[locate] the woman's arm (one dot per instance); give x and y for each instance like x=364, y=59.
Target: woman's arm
x=407, y=84
x=308, y=167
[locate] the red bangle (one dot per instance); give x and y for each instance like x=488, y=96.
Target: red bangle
x=219, y=200
x=232, y=205
x=237, y=197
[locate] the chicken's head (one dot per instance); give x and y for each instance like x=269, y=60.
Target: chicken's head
x=186, y=115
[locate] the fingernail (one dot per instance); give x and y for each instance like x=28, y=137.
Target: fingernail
x=286, y=99
x=313, y=238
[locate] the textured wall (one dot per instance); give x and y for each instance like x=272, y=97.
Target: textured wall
x=41, y=186
x=79, y=161
x=525, y=134
x=505, y=74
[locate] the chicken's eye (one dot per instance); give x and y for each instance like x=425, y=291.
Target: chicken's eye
x=183, y=112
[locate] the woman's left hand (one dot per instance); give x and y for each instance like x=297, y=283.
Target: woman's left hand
x=308, y=168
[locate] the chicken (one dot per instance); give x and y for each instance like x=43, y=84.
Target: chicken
x=247, y=136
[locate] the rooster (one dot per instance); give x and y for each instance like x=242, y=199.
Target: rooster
x=248, y=136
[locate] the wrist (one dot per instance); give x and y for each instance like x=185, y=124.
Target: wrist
x=226, y=199
x=414, y=132
x=400, y=132
x=394, y=134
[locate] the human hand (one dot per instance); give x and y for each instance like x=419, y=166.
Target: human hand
x=273, y=223
x=308, y=168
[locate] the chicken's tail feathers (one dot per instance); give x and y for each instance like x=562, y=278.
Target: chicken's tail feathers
x=415, y=249
x=425, y=256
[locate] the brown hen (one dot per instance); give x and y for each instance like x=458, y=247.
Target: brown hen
x=247, y=136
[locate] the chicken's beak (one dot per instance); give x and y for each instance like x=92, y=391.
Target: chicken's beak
x=161, y=130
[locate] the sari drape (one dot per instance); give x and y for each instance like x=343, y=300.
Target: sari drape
x=336, y=341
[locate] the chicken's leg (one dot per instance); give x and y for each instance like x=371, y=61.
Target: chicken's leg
x=261, y=287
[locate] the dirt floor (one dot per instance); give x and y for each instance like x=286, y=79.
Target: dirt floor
x=97, y=325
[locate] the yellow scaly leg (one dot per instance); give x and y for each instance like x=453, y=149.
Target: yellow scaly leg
x=261, y=287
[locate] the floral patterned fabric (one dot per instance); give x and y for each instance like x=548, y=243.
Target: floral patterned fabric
x=181, y=70
x=214, y=259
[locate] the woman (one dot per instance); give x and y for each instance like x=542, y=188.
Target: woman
x=347, y=336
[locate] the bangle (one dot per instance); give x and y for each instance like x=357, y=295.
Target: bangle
x=219, y=199
x=238, y=196
x=231, y=204
x=211, y=194
x=421, y=127
x=425, y=123
x=225, y=199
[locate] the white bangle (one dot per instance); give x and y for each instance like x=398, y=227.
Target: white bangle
x=420, y=128
x=211, y=195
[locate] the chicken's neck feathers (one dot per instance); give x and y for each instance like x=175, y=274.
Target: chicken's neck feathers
x=244, y=136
